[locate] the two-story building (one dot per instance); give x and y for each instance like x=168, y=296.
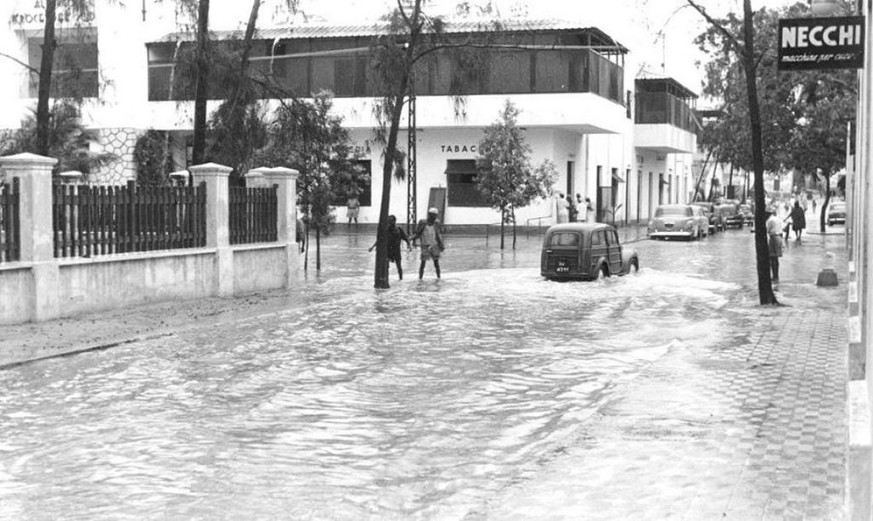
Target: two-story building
x=626, y=143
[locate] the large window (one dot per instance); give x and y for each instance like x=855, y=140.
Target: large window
x=74, y=65
x=461, y=180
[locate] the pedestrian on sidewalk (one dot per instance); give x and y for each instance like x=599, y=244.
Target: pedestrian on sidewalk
x=431, y=241
x=581, y=208
x=589, y=210
x=563, y=209
x=774, y=243
x=394, y=235
x=798, y=221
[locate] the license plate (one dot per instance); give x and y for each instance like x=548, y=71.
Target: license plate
x=562, y=267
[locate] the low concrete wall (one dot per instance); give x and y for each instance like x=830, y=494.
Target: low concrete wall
x=130, y=279
x=42, y=287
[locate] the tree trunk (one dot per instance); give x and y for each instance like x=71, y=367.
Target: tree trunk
x=502, y=224
x=822, y=217
x=201, y=89
x=381, y=275
x=702, y=174
x=762, y=252
x=318, y=248
x=730, y=186
x=43, y=132
x=306, y=255
x=514, y=232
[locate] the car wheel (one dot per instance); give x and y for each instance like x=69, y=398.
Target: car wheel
x=634, y=266
x=602, y=272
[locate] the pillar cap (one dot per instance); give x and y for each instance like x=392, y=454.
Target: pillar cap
x=210, y=169
x=278, y=171
x=27, y=158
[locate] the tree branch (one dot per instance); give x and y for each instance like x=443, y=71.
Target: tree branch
x=19, y=62
x=732, y=41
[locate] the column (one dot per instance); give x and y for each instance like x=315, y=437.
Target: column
x=286, y=211
x=217, y=214
x=37, y=230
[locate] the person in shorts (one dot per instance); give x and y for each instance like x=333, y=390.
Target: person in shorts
x=428, y=231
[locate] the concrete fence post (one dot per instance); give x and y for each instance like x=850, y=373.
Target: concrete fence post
x=217, y=221
x=286, y=211
x=37, y=231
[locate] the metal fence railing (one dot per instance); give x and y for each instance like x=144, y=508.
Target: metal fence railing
x=101, y=220
x=10, y=223
x=253, y=214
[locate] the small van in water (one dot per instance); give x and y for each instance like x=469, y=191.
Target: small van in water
x=585, y=251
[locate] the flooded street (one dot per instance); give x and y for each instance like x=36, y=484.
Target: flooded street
x=423, y=401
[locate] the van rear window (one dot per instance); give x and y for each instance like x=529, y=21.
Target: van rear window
x=564, y=239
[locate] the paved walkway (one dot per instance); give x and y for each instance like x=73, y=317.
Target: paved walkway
x=755, y=428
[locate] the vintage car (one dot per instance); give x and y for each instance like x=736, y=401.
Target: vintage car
x=678, y=221
x=837, y=213
x=585, y=251
x=747, y=213
x=716, y=220
x=731, y=214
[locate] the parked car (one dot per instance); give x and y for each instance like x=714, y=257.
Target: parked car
x=585, y=251
x=716, y=220
x=747, y=213
x=731, y=215
x=837, y=213
x=678, y=221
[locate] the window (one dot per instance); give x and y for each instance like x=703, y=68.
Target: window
x=597, y=239
x=461, y=181
x=74, y=65
x=564, y=239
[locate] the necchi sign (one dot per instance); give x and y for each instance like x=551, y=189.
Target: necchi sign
x=821, y=43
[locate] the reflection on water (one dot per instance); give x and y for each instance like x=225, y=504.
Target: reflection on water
x=417, y=402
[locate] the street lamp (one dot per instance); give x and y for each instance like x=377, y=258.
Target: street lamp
x=824, y=7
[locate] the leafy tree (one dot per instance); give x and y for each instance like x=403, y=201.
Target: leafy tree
x=68, y=139
x=151, y=159
x=506, y=178
x=412, y=38
x=742, y=45
x=306, y=137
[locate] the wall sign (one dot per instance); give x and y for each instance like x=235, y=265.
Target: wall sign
x=30, y=14
x=452, y=149
x=821, y=43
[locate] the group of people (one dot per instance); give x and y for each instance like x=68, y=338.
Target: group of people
x=569, y=210
x=779, y=223
x=427, y=232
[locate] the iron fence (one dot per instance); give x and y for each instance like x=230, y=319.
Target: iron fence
x=253, y=213
x=101, y=220
x=10, y=223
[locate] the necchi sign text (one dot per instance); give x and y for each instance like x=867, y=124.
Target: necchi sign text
x=821, y=43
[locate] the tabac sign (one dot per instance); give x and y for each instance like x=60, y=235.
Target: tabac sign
x=821, y=43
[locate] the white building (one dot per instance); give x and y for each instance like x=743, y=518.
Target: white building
x=626, y=143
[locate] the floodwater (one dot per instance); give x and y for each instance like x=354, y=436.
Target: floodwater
x=418, y=402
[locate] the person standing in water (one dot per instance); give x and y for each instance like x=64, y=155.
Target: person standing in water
x=431, y=241
x=395, y=235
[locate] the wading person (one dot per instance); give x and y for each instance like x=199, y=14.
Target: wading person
x=431, y=241
x=394, y=235
x=774, y=243
x=353, y=206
